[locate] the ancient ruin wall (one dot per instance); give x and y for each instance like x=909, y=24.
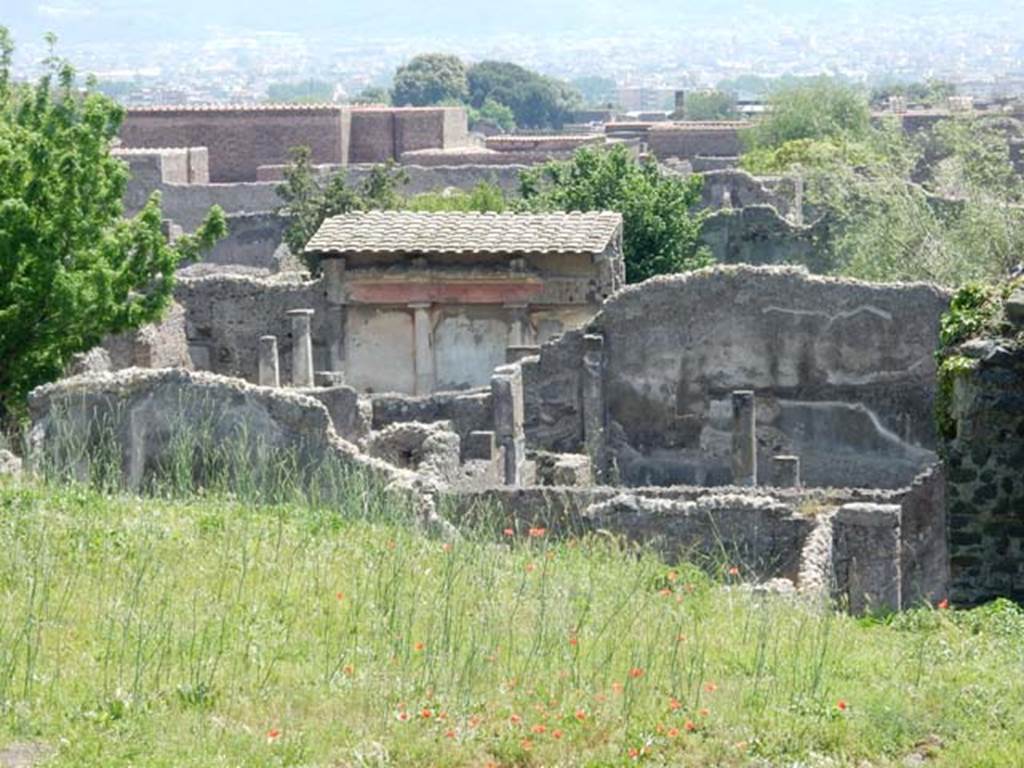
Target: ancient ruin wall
x=843, y=372
x=228, y=313
x=141, y=419
x=984, y=453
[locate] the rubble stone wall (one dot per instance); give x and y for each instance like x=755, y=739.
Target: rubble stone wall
x=984, y=455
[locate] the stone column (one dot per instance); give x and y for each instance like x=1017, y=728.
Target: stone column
x=337, y=311
x=507, y=396
x=786, y=471
x=302, y=347
x=269, y=373
x=744, y=438
x=593, y=405
x=422, y=333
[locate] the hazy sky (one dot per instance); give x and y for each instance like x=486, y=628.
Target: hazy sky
x=115, y=20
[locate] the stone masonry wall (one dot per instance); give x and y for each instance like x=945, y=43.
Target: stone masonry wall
x=227, y=314
x=984, y=455
x=690, y=140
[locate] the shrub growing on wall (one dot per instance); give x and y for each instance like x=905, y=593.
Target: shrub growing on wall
x=72, y=268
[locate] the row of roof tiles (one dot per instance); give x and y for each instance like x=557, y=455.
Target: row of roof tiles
x=405, y=232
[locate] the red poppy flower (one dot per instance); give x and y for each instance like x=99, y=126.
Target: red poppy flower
x=841, y=705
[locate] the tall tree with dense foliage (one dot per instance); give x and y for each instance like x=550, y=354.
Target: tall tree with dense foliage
x=428, y=79
x=535, y=100
x=72, y=268
x=660, y=233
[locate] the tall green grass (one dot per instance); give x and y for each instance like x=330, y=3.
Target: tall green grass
x=215, y=631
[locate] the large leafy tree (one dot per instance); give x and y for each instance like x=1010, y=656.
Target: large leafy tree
x=72, y=268
x=535, y=100
x=428, y=79
x=660, y=234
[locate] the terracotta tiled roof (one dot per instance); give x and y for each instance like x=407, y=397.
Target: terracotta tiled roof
x=387, y=232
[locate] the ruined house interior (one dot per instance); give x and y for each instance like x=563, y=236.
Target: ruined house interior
x=498, y=361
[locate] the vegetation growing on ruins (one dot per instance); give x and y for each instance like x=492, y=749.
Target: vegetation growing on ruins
x=484, y=198
x=975, y=311
x=204, y=631
x=660, y=234
x=309, y=200
x=942, y=206
x=72, y=269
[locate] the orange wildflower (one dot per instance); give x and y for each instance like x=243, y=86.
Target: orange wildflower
x=273, y=735
x=674, y=704
x=349, y=670
x=418, y=647
x=636, y=672
x=556, y=734
x=704, y=712
x=690, y=725
x=581, y=715
x=536, y=533
x=449, y=734
x=617, y=687
x=526, y=744
x=734, y=571
x=672, y=575
x=841, y=705
x=426, y=714
x=538, y=728
x=665, y=592
x=943, y=604
x=508, y=532
x=515, y=719
x=530, y=567
x=710, y=687
x=673, y=732
x=573, y=641
x=340, y=596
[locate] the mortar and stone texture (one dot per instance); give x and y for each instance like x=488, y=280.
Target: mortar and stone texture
x=843, y=373
x=984, y=456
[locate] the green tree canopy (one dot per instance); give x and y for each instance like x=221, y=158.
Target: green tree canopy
x=660, y=234
x=709, y=105
x=537, y=101
x=818, y=108
x=493, y=112
x=428, y=79
x=72, y=268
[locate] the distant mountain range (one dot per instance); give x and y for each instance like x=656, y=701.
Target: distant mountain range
x=120, y=21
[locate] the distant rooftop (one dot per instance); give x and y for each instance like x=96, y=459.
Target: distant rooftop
x=390, y=232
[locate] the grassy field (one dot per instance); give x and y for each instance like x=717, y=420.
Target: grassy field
x=207, y=632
